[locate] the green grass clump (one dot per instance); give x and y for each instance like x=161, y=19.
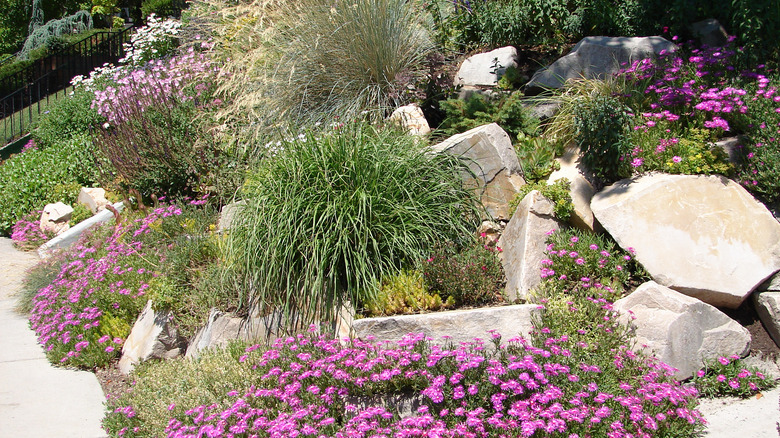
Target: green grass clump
x=559, y=193
x=329, y=216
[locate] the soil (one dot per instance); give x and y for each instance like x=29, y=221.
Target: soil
x=761, y=344
x=113, y=382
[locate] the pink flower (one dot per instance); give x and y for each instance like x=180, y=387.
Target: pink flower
x=636, y=162
x=676, y=159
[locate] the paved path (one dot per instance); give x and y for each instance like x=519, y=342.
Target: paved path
x=36, y=399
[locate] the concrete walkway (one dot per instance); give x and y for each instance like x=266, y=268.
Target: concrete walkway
x=36, y=399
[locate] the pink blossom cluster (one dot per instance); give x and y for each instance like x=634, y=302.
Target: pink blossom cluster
x=75, y=316
x=27, y=234
x=180, y=78
x=311, y=386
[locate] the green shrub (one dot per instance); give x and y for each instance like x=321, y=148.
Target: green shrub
x=405, y=292
x=508, y=111
x=691, y=153
x=601, y=126
x=537, y=158
x=344, y=58
x=329, y=216
x=559, y=193
x=30, y=180
x=69, y=116
x=80, y=213
x=161, y=8
x=470, y=276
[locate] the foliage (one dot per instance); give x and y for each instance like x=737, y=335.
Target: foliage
x=31, y=180
x=329, y=216
x=405, y=292
x=78, y=22
x=537, y=158
x=157, y=39
x=160, y=8
x=343, y=58
x=153, y=138
x=728, y=376
x=471, y=276
x=693, y=154
x=601, y=128
x=558, y=192
x=80, y=213
x=312, y=385
x=508, y=111
x=66, y=118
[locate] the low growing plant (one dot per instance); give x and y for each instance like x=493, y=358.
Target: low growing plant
x=508, y=111
x=558, y=192
x=27, y=234
x=729, y=376
x=405, y=292
x=470, y=276
x=537, y=157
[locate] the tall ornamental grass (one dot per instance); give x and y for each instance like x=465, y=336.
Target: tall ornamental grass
x=328, y=216
x=343, y=57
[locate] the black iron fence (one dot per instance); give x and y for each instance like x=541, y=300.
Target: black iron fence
x=27, y=92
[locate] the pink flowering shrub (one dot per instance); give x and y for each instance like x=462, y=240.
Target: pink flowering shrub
x=314, y=386
x=83, y=317
x=27, y=234
x=728, y=376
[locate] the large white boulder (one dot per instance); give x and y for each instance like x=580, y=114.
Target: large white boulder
x=704, y=236
x=93, y=198
x=524, y=243
x=597, y=57
x=55, y=218
x=486, y=68
x=491, y=158
x=680, y=330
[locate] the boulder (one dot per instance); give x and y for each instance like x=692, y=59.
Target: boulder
x=767, y=305
x=220, y=329
x=710, y=33
x=681, y=331
x=523, y=244
x=93, y=198
x=486, y=68
x=704, y=236
x=455, y=325
x=771, y=284
x=732, y=147
x=492, y=160
x=55, y=217
x=581, y=191
x=597, y=57
x=227, y=215
x=152, y=337
x=411, y=119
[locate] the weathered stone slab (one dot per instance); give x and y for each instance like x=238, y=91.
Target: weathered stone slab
x=152, y=336
x=457, y=325
x=486, y=68
x=768, y=308
x=704, y=236
x=490, y=156
x=682, y=331
x=523, y=244
x=581, y=191
x=220, y=329
x=227, y=215
x=597, y=57
x=412, y=119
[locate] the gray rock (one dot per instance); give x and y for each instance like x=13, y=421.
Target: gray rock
x=523, y=244
x=152, y=337
x=581, y=191
x=768, y=308
x=771, y=284
x=731, y=146
x=228, y=215
x=704, y=236
x=710, y=32
x=93, y=198
x=412, y=119
x=597, y=57
x=491, y=158
x=222, y=328
x=458, y=325
x=682, y=331
x=486, y=68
